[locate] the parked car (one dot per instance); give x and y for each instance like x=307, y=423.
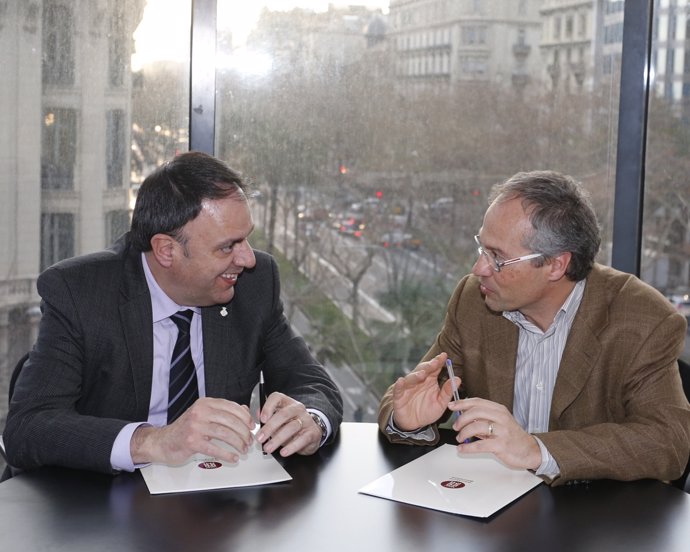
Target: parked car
x=400, y=239
x=442, y=205
x=682, y=304
x=312, y=214
x=352, y=226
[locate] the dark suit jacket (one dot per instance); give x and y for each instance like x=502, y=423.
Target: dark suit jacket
x=618, y=409
x=89, y=372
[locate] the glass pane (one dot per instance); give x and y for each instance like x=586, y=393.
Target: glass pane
x=95, y=95
x=373, y=134
x=666, y=229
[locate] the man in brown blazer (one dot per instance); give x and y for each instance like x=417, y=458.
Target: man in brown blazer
x=570, y=367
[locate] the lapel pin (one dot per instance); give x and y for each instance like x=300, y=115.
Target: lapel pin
x=223, y=311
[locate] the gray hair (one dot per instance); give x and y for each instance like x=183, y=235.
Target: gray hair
x=561, y=214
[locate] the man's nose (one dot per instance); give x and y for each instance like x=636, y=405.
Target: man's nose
x=482, y=266
x=245, y=255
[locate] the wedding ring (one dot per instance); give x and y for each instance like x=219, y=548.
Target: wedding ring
x=301, y=425
x=491, y=429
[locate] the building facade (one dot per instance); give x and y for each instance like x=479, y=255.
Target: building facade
x=466, y=41
x=64, y=161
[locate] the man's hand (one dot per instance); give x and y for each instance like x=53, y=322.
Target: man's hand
x=497, y=431
x=194, y=431
x=287, y=424
x=417, y=398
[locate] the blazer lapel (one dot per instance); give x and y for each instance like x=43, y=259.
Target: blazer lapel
x=579, y=358
x=136, y=317
x=500, y=353
x=582, y=348
x=219, y=353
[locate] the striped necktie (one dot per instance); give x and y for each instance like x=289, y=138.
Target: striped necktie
x=183, y=389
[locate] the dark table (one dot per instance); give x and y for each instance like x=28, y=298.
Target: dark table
x=320, y=509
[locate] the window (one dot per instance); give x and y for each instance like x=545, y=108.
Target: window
x=522, y=7
x=666, y=229
x=57, y=238
x=582, y=27
x=117, y=49
x=116, y=224
x=522, y=33
x=299, y=95
x=58, y=55
x=421, y=154
x=115, y=147
x=613, y=34
x=58, y=148
x=614, y=6
x=473, y=67
x=473, y=35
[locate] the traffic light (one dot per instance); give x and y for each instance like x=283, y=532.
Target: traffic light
x=379, y=194
x=342, y=169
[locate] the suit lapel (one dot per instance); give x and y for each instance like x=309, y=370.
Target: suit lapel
x=136, y=317
x=219, y=354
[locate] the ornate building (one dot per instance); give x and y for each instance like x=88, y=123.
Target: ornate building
x=64, y=145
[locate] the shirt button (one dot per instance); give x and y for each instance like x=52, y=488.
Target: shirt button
x=540, y=386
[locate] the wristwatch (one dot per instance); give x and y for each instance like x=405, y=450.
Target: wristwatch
x=320, y=424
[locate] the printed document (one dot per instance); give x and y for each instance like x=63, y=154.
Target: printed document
x=204, y=473
x=468, y=484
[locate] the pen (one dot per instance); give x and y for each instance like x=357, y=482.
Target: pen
x=262, y=400
x=454, y=387
x=262, y=395
x=451, y=377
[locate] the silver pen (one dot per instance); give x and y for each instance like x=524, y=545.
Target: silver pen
x=454, y=387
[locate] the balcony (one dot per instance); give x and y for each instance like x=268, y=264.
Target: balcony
x=17, y=292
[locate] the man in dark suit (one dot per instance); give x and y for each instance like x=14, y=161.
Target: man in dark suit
x=95, y=394
x=570, y=367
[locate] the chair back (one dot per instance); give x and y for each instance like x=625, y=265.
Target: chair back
x=684, y=481
x=15, y=374
x=9, y=471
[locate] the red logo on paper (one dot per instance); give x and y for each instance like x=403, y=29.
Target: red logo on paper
x=452, y=484
x=209, y=465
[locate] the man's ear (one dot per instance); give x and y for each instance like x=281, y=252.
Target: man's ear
x=163, y=249
x=559, y=266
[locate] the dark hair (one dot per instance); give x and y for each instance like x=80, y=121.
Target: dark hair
x=171, y=196
x=561, y=215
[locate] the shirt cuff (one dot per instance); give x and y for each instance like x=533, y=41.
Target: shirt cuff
x=326, y=422
x=548, y=467
x=425, y=433
x=121, y=453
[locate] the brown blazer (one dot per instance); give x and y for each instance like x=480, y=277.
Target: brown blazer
x=618, y=408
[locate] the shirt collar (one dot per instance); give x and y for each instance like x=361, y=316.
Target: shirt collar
x=565, y=314
x=162, y=306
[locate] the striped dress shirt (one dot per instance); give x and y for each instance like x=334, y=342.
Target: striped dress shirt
x=536, y=368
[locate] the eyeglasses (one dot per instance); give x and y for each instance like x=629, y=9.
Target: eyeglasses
x=498, y=265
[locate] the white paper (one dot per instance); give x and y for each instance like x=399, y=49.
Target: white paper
x=468, y=484
x=204, y=473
